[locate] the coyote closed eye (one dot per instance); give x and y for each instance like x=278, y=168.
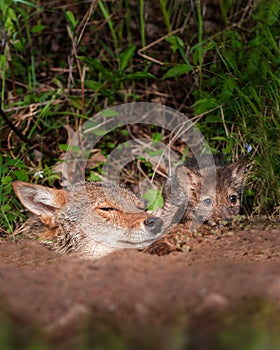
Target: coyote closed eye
x=91, y=220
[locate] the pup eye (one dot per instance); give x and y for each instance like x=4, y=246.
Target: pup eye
x=208, y=202
x=233, y=198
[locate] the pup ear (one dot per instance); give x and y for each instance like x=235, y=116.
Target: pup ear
x=40, y=200
x=239, y=167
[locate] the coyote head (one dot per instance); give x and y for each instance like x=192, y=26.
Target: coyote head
x=91, y=219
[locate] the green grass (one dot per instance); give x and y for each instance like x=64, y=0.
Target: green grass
x=59, y=73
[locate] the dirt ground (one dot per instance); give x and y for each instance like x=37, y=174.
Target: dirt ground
x=222, y=293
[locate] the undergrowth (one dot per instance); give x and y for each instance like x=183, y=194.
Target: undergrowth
x=62, y=62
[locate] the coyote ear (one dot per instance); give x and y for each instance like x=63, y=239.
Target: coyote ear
x=40, y=200
x=239, y=167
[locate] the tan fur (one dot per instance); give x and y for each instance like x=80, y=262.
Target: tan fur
x=91, y=220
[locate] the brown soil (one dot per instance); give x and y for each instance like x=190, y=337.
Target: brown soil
x=132, y=299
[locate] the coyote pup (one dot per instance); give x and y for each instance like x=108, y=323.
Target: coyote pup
x=191, y=198
x=91, y=220
x=209, y=203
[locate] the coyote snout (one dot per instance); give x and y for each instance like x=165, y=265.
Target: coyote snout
x=91, y=220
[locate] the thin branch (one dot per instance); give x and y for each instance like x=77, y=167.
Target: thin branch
x=31, y=143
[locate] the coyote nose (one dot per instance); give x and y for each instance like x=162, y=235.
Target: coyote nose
x=153, y=224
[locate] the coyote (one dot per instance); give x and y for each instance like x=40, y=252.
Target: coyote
x=220, y=203
x=191, y=198
x=91, y=220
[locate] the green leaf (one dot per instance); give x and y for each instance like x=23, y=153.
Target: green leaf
x=69, y=148
x=142, y=158
x=156, y=136
x=6, y=180
x=124, y=132
x=21, y=175
x=27, y=3
x=38, y=28
x=110, y=112
x=178, y=70
x=204, y=105
x=126, y=56
x=76, y=101
x=93, y=85
x=71, y=20
x=176, y=42
x=5, y=208
x=154, y=198
x=94, y=177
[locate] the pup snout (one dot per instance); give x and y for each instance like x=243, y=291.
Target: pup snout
x=153, y=224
